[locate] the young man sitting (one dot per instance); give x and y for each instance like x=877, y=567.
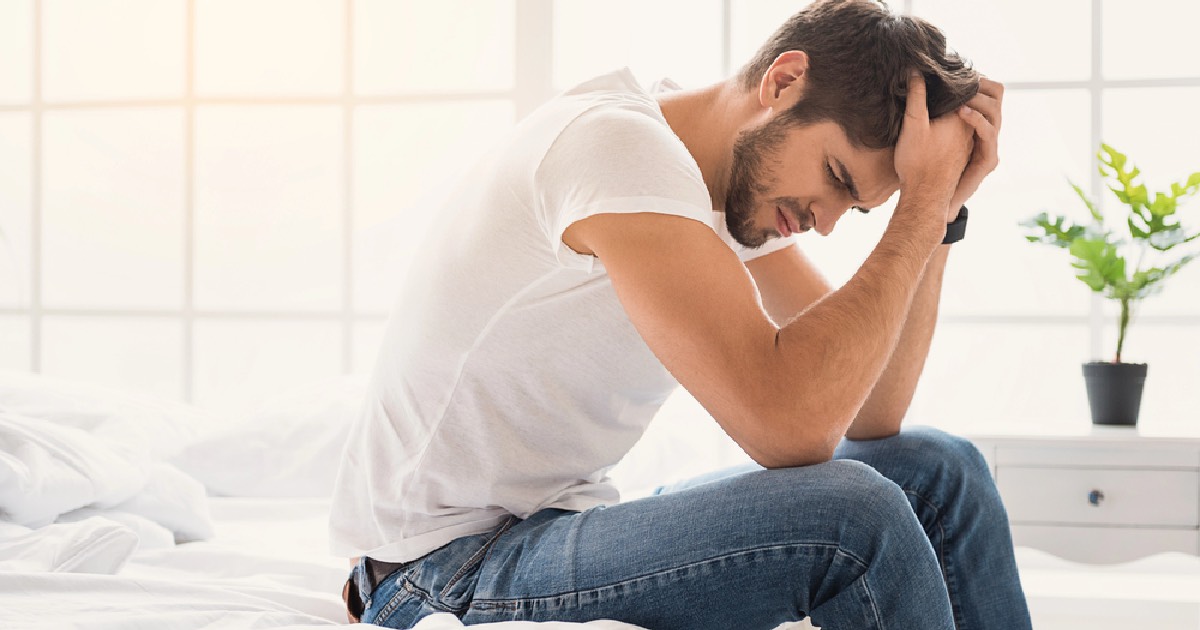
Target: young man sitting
x=620, y=243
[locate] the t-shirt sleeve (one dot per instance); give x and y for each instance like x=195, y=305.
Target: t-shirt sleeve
x=614, y=161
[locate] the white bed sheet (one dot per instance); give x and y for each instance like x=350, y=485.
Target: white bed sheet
x=263, y=569
x=267, y=568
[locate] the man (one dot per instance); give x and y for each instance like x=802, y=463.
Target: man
x=619, y=244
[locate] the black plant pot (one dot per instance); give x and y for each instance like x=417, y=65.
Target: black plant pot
x=1114, y=392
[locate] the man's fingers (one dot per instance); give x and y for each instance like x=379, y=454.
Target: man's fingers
x=915, y=106
x=994, y=89
x=986, y=134
x=988, y=106
x=983, y=127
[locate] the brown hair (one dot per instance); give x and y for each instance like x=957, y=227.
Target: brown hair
x=859, y=58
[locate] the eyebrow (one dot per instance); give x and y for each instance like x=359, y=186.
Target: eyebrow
x=847, y=179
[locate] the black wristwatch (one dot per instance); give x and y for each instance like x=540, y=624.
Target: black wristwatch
x=956, y=229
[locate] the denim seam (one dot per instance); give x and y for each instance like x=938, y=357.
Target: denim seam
x=937, y=519
x=476, y=558
x=871, y=602
x=944, y=560
x=405, y=588
x=514, y=603
x=403, y=592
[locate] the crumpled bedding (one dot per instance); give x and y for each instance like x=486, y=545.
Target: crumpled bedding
x=100, y=527
x=51, y=472
x=265, y=567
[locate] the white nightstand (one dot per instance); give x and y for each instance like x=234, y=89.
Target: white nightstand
x=1107, y=495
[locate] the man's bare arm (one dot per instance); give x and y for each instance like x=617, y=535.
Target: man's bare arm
x=786, y=395
x=884, y=410
x=790, y=283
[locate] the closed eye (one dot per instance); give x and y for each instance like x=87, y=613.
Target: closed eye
x=841, y=184
x=833, y=177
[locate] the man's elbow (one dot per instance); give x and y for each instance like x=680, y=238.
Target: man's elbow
x=789, y=442
x=792, y=459
x=784, y=424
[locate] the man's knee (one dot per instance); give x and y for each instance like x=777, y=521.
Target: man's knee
x=956, y=472
x=944, y=469
x=851, y=490
x=945, y=457
x=956, y=451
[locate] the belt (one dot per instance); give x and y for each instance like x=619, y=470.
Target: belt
x=376, y=571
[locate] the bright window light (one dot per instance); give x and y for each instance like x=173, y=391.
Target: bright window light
x=197, y=195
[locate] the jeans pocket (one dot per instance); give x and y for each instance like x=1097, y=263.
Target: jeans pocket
x=442, y=581
x=395, y=604
x=461, y=585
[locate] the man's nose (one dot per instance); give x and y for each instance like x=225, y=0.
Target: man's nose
x=824, y=220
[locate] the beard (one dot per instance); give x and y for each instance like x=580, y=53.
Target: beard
x=749, y=178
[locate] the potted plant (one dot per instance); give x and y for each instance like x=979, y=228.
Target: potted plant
x=1100, y=259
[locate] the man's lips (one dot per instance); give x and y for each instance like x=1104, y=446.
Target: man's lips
x=781, y=224
x=787, y=224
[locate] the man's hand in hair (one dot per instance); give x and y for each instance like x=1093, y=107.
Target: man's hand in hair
x=931, y=155
x=983, y=113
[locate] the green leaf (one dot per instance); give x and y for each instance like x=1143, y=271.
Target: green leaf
x=1054, y=231
x=1127, y=193
x=1095, y=250
x=1116, y=159
x=1138, y=194
x=1098, y=263
x=1173, y=236
x=1186, y=189
x=1087, y=202
x=1148, y=282
x=1163, y=205
x=1136, y=230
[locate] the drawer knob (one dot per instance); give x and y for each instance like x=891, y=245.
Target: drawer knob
x=1095, y=497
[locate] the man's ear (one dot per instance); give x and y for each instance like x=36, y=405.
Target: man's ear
x=782, y=84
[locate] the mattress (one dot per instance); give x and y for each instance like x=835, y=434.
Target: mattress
x=266, y=567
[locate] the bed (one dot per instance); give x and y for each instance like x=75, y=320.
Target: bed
x=119, y=511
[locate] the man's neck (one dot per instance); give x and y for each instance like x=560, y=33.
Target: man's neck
x=708, y=120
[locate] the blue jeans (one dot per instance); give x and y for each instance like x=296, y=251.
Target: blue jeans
x=901, y=533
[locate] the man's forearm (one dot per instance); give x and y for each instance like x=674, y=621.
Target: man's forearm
x=828, y=358
x=884, y=409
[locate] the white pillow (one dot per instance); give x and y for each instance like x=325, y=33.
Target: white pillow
x=290, y=446
x=155, y=426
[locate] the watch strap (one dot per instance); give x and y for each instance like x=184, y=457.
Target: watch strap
x=956, y=229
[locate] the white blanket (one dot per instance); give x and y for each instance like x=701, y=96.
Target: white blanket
x=51, y=471
x=98, y=528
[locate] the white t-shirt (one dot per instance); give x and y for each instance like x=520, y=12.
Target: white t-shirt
x=510, y=378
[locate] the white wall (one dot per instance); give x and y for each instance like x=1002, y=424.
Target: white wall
x=211, y=199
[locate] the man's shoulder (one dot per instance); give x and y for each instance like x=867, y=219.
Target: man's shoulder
x=619, y=126
x=612, y=103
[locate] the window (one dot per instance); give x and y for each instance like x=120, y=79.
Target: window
x=190, y=185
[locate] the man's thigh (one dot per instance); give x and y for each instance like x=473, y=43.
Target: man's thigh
x=751, y=550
